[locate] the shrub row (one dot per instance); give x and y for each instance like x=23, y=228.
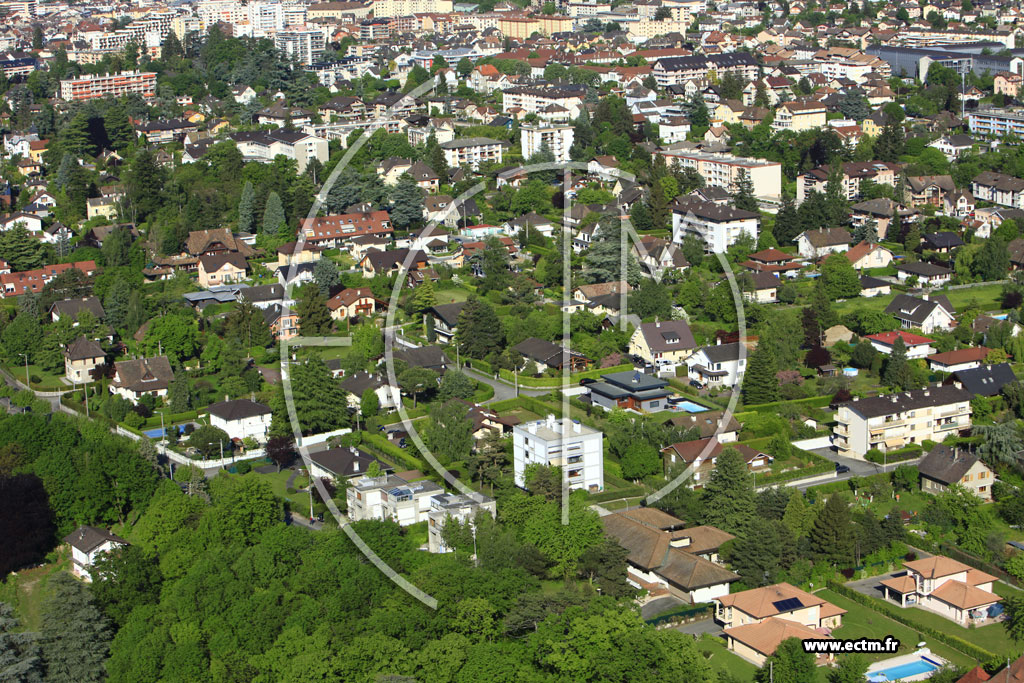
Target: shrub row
x=955, y=642
x=812, y=402
x=978, y=563
x=555, y=382
x=380, y=446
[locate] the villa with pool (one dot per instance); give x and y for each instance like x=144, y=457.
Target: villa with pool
x=942, y=585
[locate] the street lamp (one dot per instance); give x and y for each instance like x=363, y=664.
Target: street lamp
x=28, y=383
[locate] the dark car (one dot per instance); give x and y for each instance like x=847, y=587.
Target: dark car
x=696, y=384
x=587, y=380
x=842, y=469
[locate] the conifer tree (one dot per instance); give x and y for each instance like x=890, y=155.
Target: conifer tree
x=744, y=198
x=75, y=634
x=831, y=535
x=247, y=209
x=898, y=374
x=728, y=496
x=273, y=214
x=760, y=385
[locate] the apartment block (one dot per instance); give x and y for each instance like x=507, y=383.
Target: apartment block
x=724, y=170
x=472, y=151
x=558, y=139
x=457, y=506
x=304, y=45
x=717, y=225
x=565, y=443
x=815, y=180
x=893, y=421
x=114, y=85
x=390, y=497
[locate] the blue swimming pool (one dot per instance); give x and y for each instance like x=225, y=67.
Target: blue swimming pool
x=158, y=433
x=895, y=673
x=691, y=407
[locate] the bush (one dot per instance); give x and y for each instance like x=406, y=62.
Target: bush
x=134, y=420
x=35, y=379
x=243, y=467
x=290, y=490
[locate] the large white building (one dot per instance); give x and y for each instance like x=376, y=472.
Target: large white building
x=472, y=151
x=90, y=87
x=724, y=170
x=557, y=138
x=717, y=225
x=241, y=419
x=303, y=44
x=405, y=8
x=565, y=443
x=457, y=506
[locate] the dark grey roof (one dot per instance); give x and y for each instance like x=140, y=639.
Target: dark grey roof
x=83, y=349
x=448, y=313
x=543, y=351
x=827, y=237
x=916, y=310
x=344, y=462
x=888, y=404
x=238, y=409
x=634, y=380
x=942, y=240
x=946, y=464
x=924, y=269
x=261, y=293
x=432, y=357
x=359, y=382
x=706, y=422
x=88, y=538
x=668, y=335
x=868, y=282
x=471, y=142
x=72, y=307
x=144, y=374
x=718, y=213
x=985, y=380
x=721, y=353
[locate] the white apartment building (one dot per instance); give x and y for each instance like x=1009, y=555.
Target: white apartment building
x=588, y=9
x=536, y=100
x=115, y=85
x=472, y=151
x=390, y=497
x=717, y=225
x=557, y=138
x=303, y=44
x=211, y=12
x=264, y=146
x=893, y=421
x=455, y=506
x=565, y=443
x=404, y=8
x=723, y=170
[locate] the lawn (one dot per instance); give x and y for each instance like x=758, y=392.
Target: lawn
x=986, y=297
x=49, y=381
x=721, y=660
x=26, y=592
x=278, y=484
x=859, y=621
x=523, y=414
x=449, y=296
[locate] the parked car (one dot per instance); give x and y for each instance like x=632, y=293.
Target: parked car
x=842, y=469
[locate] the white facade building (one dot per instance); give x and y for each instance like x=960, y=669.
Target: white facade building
x=557, y=138
x=565, y=443
x=304, y=45
x=241, y=419
x=456, y=506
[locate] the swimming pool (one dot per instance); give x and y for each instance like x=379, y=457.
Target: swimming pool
x=901, y=671
x=690, y=407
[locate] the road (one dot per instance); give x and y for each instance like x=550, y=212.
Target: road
x=502, y=389
x=858, y=468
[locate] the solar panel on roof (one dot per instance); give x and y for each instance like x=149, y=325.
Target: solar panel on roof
x=788, y=604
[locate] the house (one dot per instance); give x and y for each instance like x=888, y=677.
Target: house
x=984, y=380
x=460, y=507
x=716, y=225
x=87, y=544
x=658, y=560
x=960, y=359
x=291, y=254
x=757, y=620
x=139, y=377
x=941, y=242
x=446, y=320
x=390, y=263
x=890, y=422
x=959, y=204
x=262, y=296
x=72, y=308
x=630, y=390
x=547, y=355
x=916, y=345
x=357, y=383
x=882, y=211
x=657, y=255
x=927, y=274
x=283, y=324
x=587, y=293
x=799, y=116
x=719, y=365
x=565, y=443
x=390, y=497
x=241, y=419
x=815, y=244
x=941, y=584
x=872, y=286
x=101, y=207
x=927, y=313
x=341, y=464
x=219, y=269
x=708, y=423
x=929, y=189
x=701, y=456
x=81, y=358
x=773, y=261
x=762, y=288
x=430, y=357
x=869, y=255
x=472, y=152
x=953, y=146
x=945, y=465
x=998, y=188
x=664, y=344
x=354, y=302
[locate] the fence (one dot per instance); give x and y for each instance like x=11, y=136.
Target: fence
x=955, y=642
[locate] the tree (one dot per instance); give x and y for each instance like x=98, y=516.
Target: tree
x=604, y=257
x=314, y=316
x=728, y=496
x=144, y=185
x=863, y=355
x=247, y=209
x=75, y=634
x=767, y=548
x=171, y=47
x=760, y=384
x=890, y=143
x=317, y=396
x=123, y=579
x=743, y=197
x=992, y=261
x=640, y=460
x=273, y=214
x=369, y=403
x=416, y=381
x=854, y=106
x=798, y=517
x=118, y=127
x=210, y=442
x=494, y=261
x=898, y=374
x=787, y=221
x=852, y=669
x=789, y=664
x=326, y=276
x=455, y=384
x=449, y=431
x=831, y=534
x=651, y=299
x=425, y=297
x=20, y=660
x=1014, y=624
x=663, y=13
x=839, y=277
x=464, y=68
x=281, y=450
x=480, y=331
x=179, y=396
x=406, y=203
x=19, y=249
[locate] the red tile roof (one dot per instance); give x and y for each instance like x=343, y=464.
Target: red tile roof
x=889, y=338
x=976, y=353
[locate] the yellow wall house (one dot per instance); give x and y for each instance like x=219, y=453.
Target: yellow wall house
x=799, y=116
x=944, y=466
x=220, y=269
x=663, y=343
x=101, y=206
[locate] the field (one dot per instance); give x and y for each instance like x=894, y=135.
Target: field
x=26, y=592
x=983, y=297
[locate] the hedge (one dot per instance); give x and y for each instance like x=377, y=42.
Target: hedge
x=386, y=449
x=679, y=614
x=556, y=382
x=978, y=563
x=955, y=642
x=899, y=455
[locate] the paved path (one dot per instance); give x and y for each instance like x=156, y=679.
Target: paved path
x=696, y=628
x=659, y=605
x=502, y=389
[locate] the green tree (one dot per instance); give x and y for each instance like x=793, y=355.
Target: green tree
x=743, y=197
x=369, y=403
x=20, y=249
x=766, y=549
x=179, y=395
x=20, y=660
x=449, y=431
x=760, y=384
x=326, y=276
x=728, y=496
x=316, y=395
x=787, y=222
x=464, y=67
x=75, y=634
x=406, y=203
x=118, y=127
x=273, y=215
x=898, y=373
x=852, y=669
x=840, y=278
x=210, y=442
x=425, y=297
x=124, y=579
x=831, y=534
x=1014, y=624
x=416, y=381
x=640, y=460
x=789, y=664
x=854, y=106
x=314, y=316
x=456, y=384
x=992, y=260
x=480, y=330
x=798, y=517
x=247, y=209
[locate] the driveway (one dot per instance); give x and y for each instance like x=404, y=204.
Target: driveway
x=502, y=389
x=696, y=628
x=659, y=605
x=858, y=468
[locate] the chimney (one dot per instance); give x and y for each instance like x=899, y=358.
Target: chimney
x=551, y=421
x=355, y=465
x=657, y=323
x=577, y=427
x=225, y=398
x=925, y=296
x=718, y=341
x=532, y=427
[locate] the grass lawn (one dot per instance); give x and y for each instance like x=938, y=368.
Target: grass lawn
x=859, y=621
x=992, y=637
x=449, y=296
x=721, y=660
x=911, y=501
x=26, y=592
x=523, y=414
x=986, y=297
x=49, y=381
x=278, y=481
